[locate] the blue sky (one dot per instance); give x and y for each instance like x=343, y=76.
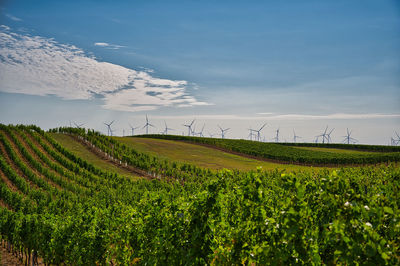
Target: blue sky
x=292, y=64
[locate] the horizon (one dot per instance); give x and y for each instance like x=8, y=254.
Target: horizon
x=295, y=66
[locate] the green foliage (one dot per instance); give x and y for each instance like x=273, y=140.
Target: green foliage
x=193, y=215
x=287, y=152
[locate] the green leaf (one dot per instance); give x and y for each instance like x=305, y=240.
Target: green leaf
x=385, y=256
x=388, y=210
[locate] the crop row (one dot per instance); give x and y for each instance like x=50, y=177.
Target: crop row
x=197, y=216
x=289, y=153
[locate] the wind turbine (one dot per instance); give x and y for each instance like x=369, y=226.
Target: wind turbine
x=147, y=125
x=133, y=129
x=394, y=141
x=251, y=134
x=258, y=132
x=78, y=125
x=167, y=128
x=329, y=135
x=348, y=138
x=295, y=137
x=223, y=131
x=211, y=135
x=323, y=135
x=109, y=127
x=189, y=126
x=277, y=136
x=200, y=134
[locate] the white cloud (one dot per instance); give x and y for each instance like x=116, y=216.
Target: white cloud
x=4, y=27
x=108, y=45
x=40, y=66
x=284, y=117
x=13, y=17
x=329, y=116
x=101, y=44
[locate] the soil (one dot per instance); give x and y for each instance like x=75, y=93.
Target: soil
x=8, y=259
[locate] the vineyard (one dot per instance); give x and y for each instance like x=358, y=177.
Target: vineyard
x=289, y=152
x=57, y=208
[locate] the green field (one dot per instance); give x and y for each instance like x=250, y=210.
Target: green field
x=291, y=153
x=202, y=156
x=335, y=150
x=83, y=152
x=187, y=214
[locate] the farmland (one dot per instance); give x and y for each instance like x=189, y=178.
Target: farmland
x=296, y=153
x=61, y=207
x=202, y=156
x=80, y=150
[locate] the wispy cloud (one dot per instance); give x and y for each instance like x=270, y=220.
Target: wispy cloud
x=284, y=117
x=13, y=17
x=4, y=27
x=337, y=116
x=108, y=45
x=41, y=66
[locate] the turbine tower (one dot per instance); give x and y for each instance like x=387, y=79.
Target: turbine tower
x=251, y=134
x=200, y=134
x=78, y=125
x=324, y=136
x=165, y=132
x=329, y=135
x=189, y=126
x=348, y=138
x=258, y=132
x=395, y=141
x=223, y=131
x=295, y=137
x=109, y=130
x=147, y=125
x=133, y=129
x=277, y=136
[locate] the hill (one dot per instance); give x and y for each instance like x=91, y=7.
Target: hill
x=59, y=208
x=81, y=150
x=203, y=156
x=307, y=153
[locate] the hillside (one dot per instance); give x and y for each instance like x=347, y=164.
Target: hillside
x=81, y=150
x=202, y=156
x=306, y=153
x=58, y=208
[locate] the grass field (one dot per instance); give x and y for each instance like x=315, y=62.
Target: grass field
x=81, y=151
x=202, y=156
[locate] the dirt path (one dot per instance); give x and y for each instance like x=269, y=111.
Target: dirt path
x=8, y=259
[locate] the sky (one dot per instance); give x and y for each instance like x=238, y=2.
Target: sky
x=298, y=66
